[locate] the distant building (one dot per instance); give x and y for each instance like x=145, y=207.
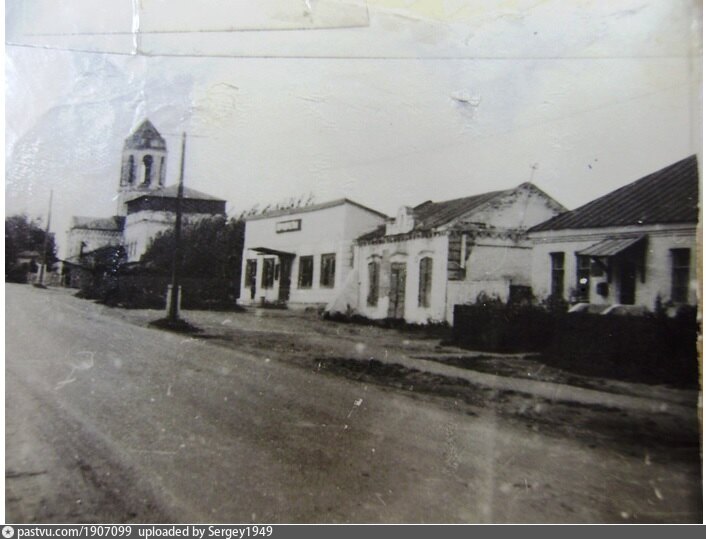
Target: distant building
x=145, y=206
x=90, y=233
x=633, y=246
x=302, y=255
x=431, y=257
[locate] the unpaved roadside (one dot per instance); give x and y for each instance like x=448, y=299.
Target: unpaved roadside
x=374, y=355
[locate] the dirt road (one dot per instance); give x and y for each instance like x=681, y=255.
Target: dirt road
x=108, y=421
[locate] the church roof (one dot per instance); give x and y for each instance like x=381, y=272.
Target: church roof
x=171, y=192
x=670, y=195
x=115, y=223
x=145, y=137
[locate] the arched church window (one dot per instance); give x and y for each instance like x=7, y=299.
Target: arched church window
x=161, y=171
x=131, y=169
x=147, y=160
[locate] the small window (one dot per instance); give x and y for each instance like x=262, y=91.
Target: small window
x=680, y=275
x=328, y=270
x=425, y=269
x=557, y=260
x=583, y=278
x=306, y=271
x=268, y=273
x=373, y=283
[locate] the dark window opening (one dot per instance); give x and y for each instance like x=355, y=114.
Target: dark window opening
x=557, y=290
x=161, y=171
x=251, y=276
x=131, y=170
x=147, y=160
x=583, y=278
x=680, y=275
x=268, y=272
x=306, y=271
x=328, y=270
x=425, y=270
x=373, y=283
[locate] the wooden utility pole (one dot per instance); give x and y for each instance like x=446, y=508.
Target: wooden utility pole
x=46, y=241
x=173, y=315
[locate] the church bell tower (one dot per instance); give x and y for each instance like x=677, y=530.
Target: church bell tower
x=144, y=164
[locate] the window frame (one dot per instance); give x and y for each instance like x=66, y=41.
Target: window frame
x=373, y=283
x=557, y=274
x=426, y=271
x=680, y=274
x=583, y=270
x=309, y=259
x=327, y=277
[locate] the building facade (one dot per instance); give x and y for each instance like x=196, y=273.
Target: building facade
x=302, y=256
x=439, y=254
x=635, y=246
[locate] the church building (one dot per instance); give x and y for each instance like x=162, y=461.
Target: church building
x=145, y=205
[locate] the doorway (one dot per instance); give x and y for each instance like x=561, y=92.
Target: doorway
x=285, y=277
x=398, y=280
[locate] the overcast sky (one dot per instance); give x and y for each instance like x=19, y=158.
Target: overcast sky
x=387, y=102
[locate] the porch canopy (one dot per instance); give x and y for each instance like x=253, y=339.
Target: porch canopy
x=274, y=252
x=610, y=246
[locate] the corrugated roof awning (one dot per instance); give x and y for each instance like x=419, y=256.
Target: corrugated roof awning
x=611, y=246
x=268, y=251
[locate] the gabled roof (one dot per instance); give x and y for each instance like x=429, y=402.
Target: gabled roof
x=670, y=195
x=313, y=207
x=171, y=192
x=433, y=214
x=145, y=137
x=115, y=223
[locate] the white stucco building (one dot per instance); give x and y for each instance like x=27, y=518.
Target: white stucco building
x=145, y=206
x=302, y=256
x=634, y=246
x=439, y=254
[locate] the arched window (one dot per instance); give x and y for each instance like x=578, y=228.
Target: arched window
x=373, y=283
x=161, y=171
x=131, y=169
x=147, y=160
x=425, y=269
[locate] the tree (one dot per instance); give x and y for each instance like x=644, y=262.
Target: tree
x=24, y=235
x=211, y=249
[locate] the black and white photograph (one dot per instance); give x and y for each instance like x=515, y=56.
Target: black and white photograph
x=353, y=262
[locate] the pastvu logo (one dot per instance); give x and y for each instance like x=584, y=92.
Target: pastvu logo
x=8, y=531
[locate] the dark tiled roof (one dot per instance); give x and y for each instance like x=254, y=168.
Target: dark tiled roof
x=145, y=137
x=670, y=195
x=115, y=223
x=171, y=192
x=432, y=214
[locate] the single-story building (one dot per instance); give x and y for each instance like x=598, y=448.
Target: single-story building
x=633, y=246
x=431, y=257
x=302, y=256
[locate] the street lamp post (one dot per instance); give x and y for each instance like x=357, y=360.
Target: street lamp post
x=173, y=315
x=46, y=242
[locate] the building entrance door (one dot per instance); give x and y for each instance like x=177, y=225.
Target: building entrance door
x=398, y=279
x=285, y=277
x=251, y=276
